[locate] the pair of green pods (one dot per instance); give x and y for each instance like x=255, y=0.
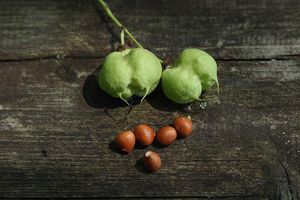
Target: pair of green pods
x=137, y=72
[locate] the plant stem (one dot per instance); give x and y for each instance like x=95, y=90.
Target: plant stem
x=122, y=37
x=118, y=23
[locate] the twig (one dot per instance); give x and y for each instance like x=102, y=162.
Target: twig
x=118, y=23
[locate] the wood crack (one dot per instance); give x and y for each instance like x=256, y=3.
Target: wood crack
x=288, y=179
x=58, y=57
x=259, y=59
x=284, y=58
x=156, y=197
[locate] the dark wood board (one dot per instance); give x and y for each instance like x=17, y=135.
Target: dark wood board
x=236, y=29
x=57, y=127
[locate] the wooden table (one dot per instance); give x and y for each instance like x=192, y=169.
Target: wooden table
x=56, y=126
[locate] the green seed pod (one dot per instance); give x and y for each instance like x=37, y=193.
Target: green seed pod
x=130, y=72
x=194, y=70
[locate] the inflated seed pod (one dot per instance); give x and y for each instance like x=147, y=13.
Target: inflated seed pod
x=130, y=72
x=193, y=71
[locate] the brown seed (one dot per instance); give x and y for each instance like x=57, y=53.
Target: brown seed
x=166, y=135
x=183, y=126
x=144, y=134
x=152, y=161
x=125, y=141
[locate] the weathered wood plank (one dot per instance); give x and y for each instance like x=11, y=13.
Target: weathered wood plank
x=233, y=29
x=56, y=127
x=56, y=131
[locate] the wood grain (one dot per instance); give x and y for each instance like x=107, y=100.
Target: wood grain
x=233, y=29
x=57, y=127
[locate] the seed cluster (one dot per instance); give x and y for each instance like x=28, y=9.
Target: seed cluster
x=145, y=135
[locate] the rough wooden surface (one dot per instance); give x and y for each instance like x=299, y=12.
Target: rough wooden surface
x=235, y=29
x=56, y=126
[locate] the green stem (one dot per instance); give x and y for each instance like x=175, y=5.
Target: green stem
x=117, y=22
x=122, y=37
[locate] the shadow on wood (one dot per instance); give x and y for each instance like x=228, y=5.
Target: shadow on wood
x=139, y=146
x=113, y=146
x=157, y=145
x=139, y=165
x=97, y=98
